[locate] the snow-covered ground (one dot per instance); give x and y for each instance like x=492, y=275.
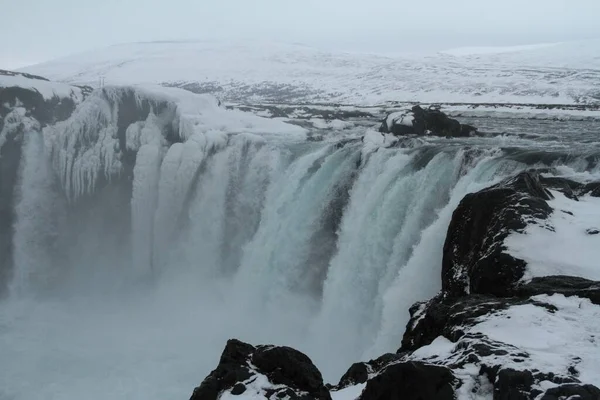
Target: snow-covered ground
x=250, y=71
x=556, y=339
x=565, y=244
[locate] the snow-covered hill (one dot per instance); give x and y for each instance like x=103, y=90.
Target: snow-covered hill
x=561, y=73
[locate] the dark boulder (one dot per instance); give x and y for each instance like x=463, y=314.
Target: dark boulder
x=419, y=121
x=566, y=285
x=411, y=381
x=287, y=366
x=474, y=259
x=232, y=370
x=447, y=316
x=572, y=391
x=359, y=372
x=513, y=385
x=293, y=372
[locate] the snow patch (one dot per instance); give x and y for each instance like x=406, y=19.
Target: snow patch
x=348, y=393
x=566, y=248
x=405, y=118
x=554, y=340
x=374, y=140
x=256, y=388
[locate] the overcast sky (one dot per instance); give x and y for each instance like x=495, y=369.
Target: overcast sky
x=37, y=30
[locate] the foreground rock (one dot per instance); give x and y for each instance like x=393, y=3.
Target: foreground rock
x=267, y=371
x=505, y=333
x=419, y=121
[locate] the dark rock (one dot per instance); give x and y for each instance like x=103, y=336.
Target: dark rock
x=566, y=285
x=411, y=381
x=287, y=366
x=359, y=372
x=467, y=130
x=592, y=189
x=23, y=74
x=572, y=391
x=282, y=365
x=238, y=389
x=592, y=231
x=232, y=369
x=431, y=121
x=513, y=385
x=474, y=259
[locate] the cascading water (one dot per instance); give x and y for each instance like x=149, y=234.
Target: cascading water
x=127, y=286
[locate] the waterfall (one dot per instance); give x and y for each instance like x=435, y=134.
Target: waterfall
x=145, y=244
x=38, y=209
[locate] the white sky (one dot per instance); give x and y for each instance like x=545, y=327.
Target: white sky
x=37, y=30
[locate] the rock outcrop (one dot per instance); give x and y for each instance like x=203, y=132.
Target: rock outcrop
x=268, y=371
x=474, y=257
x=419, y=121
x=484, y=292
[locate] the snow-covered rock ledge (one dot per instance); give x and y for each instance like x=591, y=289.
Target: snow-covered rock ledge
x=516, y=319
x=420, y=121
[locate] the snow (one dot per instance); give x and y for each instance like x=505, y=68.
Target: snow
x=520, y=112
x=86, y=146
x=336, y=124
x=405, y=118
x=468, y=51
x=47, y=89
x=348, y=393
x=13, y=120
x=374, y=140
x=566, y=73
x=201, y=113
x=255, y=389
x=567, y=249
x=554, y=341
x=439, y=346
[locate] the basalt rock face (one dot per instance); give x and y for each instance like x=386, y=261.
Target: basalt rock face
x=420, y=121
x=474, y=257
x=484, y=292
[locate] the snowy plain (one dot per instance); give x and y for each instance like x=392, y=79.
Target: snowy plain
x=559, y=73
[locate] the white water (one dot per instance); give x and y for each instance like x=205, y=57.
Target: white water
x=219, y=237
